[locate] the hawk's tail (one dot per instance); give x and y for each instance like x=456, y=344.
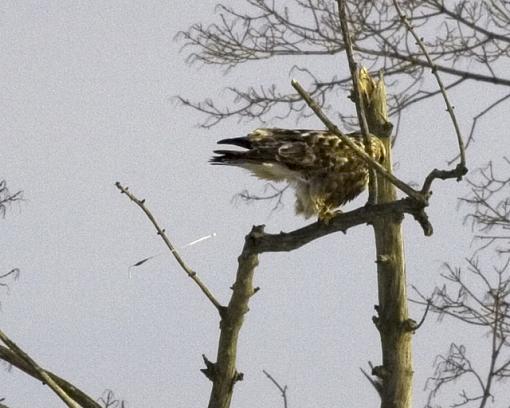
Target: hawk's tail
x=232, y=156
x=238, y=141
x=227, y=157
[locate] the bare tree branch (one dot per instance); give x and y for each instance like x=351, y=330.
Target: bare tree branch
x=283, y=390
x=275, y=195
x=7, y=198
x=42, y=374
x=161, y=232
x=110, y=401
x=288, y=241
x=477, y=117
x=467, y=32
x=79, y=396
x=358, y=98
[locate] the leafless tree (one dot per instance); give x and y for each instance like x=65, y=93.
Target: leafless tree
x=478, y=295
x=470, y=43
x=269, y=30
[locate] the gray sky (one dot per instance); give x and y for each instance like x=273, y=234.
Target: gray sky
x=87, y=100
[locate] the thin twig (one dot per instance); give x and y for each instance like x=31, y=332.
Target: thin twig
x=461, y=167
x=358, y=99
x=476, y=118
x=375, y=383
x=42, y=373
x=353, y=68
x=424, y=315
x=161, y=232
x=360, y=152
x=283, y=389
x=7, y=198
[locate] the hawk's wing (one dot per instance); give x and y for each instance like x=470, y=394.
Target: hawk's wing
x=275, y=154
x=325, y=171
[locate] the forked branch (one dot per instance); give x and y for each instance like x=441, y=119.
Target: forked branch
x=223, y=372
x=282, y=389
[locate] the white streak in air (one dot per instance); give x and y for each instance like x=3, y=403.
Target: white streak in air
x=199, y=240
x=174, y=250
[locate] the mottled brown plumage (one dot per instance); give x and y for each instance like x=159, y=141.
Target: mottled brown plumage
x=322, y=169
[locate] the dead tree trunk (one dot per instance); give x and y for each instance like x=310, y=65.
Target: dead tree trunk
x=395, y=329
x=396, y=372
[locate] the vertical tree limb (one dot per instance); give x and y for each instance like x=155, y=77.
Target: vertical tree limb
x=395, y=374
x=358, y=100
x=224, y=373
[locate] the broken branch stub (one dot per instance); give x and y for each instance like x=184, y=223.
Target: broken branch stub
x=373, y=94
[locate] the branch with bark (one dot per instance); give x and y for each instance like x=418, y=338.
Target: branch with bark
x=18, y=359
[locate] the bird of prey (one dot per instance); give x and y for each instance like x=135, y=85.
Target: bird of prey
x=322, y=169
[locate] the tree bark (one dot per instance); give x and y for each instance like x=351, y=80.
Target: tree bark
x=224, y=373
x=395, y=329
x=396, y=372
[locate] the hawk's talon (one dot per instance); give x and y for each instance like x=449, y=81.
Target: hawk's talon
x=325, y=216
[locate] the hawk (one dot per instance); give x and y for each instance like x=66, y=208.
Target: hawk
x=322, y=169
